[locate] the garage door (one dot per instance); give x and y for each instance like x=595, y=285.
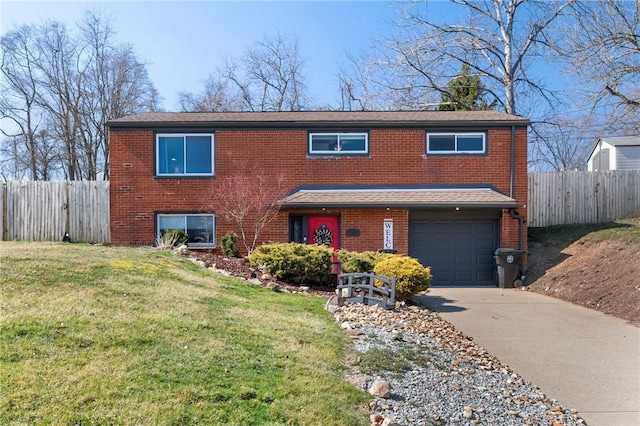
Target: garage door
x=459, y=252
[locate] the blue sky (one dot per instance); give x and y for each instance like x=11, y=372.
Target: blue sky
x=182, y=42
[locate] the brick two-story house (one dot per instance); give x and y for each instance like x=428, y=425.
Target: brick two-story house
x=445, y=187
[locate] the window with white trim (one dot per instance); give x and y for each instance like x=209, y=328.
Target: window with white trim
x=339, y=143
x=456, y=143
x=199, y=227
x=184, y=154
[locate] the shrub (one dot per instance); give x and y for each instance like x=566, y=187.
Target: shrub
x=353, y=262
x=411, y=277
x=229, y=244
x=295, y=263
x=172, y=238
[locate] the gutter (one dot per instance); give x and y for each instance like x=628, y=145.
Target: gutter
x=118, y=124
x=403, y=206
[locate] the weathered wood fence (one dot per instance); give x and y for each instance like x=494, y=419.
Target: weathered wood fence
x=558, y=198
x=44, y=211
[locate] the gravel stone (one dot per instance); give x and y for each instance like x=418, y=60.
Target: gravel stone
x=450, y=380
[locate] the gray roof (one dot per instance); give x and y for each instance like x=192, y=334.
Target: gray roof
x=616, y=141
x=398, y=197
x=622, y=140
x=307, y=119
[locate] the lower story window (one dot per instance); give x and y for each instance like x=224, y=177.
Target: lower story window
x=200, y=228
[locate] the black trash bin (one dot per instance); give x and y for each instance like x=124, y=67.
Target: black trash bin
x=509, y=265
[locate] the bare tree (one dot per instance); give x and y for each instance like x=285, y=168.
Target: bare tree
x=119, y=85
x=59, y=89
x=20, y=108
x=43, y=163
x=603, y=44
x=250, y=199
x=498, y=41
x=216, y=97
x=273, y=72
x=563, y=144
x=362, y=85
x=268, y=77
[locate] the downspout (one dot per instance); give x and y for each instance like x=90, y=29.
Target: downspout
x=513, y=212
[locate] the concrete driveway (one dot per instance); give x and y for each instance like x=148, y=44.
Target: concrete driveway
x=586, y=360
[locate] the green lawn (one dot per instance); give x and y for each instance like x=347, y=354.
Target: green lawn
x=627, y=230
x=101, y=335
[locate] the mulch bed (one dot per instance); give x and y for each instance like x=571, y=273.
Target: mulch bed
x=239, y=267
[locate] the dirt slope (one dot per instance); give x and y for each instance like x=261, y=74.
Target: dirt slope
x=602, y=275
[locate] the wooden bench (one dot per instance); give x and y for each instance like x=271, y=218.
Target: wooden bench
x=361, y=288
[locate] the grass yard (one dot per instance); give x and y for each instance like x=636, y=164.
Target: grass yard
x=105, y=335
x=627, y=230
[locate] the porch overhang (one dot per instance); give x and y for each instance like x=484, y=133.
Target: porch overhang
x=397, y=197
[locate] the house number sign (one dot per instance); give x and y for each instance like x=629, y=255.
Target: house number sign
x=510, y=259
x=388, y=234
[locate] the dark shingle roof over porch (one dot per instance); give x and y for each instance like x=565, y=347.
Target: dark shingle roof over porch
x=399, y=197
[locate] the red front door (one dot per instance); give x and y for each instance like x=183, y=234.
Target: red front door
x=324, y=230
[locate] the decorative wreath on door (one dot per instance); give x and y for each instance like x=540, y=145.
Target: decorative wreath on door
x=322, y=235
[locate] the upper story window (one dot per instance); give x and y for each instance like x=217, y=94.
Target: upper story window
x=184, y=154
x=338, y=143
x=199, y=227
x=456, y=143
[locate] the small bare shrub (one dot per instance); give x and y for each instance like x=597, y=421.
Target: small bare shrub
x=171, y=238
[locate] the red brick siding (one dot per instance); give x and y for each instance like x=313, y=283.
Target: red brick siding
x=397, y=156
x=368, y=221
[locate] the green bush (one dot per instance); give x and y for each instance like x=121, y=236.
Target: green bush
x=295, y=263
x=229, y=244
x=353, y=262
x=411, y=277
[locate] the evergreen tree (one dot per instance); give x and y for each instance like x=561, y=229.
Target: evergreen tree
x=464, y=93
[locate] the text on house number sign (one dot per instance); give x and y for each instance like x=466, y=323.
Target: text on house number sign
x=388, y=234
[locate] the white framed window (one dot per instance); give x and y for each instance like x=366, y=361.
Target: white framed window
x=456, y=143
x=339, y=143
x=184, y=154
x=198, y=226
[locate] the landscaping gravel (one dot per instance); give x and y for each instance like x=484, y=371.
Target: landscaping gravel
x=438, y=375
x=444, y=377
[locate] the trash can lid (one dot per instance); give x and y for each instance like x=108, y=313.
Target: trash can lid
x=505, y=250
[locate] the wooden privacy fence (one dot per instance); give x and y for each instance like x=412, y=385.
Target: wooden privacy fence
x=45, y=210
x=559, y=198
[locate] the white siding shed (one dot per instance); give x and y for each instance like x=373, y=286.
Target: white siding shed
x=615, y=153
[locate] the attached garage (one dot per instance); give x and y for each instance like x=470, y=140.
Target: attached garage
x=458, y=245
x=454, y=230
